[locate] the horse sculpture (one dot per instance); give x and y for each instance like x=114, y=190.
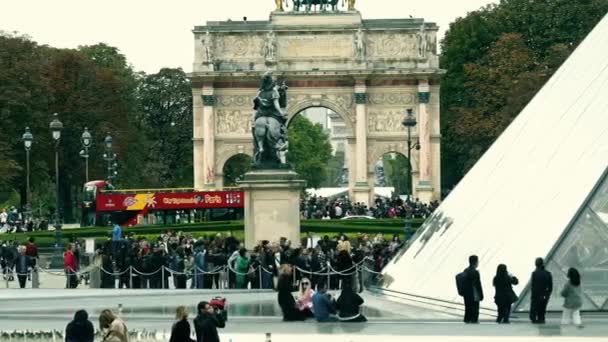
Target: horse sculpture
x=270, y=131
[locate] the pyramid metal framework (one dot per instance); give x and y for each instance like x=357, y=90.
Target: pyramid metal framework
x=585, y=247
x=540, y=190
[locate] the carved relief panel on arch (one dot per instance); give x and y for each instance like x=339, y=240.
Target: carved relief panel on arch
x=401, y=45
x=239, y=46
x=385, y=121
x=233, y=122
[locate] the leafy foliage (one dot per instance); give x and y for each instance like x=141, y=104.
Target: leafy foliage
x=309, y=150
x=497, y=58
x=235, y=168
x=395, y=172
x=166, y=122
x=92, y=86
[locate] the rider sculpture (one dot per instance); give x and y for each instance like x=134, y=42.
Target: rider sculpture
x=269, y=128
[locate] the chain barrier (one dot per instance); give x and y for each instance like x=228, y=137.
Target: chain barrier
x=327, y=271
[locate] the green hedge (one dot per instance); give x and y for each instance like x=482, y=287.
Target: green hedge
x=322, y=227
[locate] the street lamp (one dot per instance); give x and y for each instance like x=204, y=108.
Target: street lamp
x=110, y=157
x=27, y=138
x=409, y=122
x=56, y=127
x=86, y=140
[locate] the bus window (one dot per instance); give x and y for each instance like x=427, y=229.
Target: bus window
x=89, y=193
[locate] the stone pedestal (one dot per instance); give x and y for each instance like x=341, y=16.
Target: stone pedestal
x=272, y=206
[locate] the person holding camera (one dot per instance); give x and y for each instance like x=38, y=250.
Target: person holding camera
x=206, y=323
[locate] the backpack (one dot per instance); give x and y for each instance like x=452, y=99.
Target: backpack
x=461, y=280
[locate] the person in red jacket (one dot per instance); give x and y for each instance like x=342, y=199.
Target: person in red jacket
x=71, y=267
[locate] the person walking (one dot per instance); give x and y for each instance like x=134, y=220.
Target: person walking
x=242, y=269
x=200, y=266
x=180, y=332
x=80, y=329
x=207, y=322
x=31, y=251
x=112, y=327
x=23, y=263
x=116, y=240
x=540, y=288
x=71, y=267
x=505, y=296
x=472, y=291
x=573, y=299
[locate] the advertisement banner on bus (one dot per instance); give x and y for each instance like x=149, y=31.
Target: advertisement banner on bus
x=170, y=201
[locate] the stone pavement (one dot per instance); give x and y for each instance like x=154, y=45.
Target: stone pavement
x=253, y=313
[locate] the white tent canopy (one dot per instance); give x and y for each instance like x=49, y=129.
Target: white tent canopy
x=385, y=192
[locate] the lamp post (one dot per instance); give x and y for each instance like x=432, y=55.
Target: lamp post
x=409, y=122
x=86, y=140
x=56, y=127
x=110, y=157
x=27, y=138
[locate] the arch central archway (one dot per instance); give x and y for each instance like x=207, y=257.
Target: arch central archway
x=318, y=147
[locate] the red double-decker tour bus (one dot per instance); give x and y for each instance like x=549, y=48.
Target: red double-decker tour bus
x=102, y=204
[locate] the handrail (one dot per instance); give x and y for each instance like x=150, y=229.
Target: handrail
x=118, y=191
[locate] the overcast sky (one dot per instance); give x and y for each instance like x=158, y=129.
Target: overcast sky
x=157, y=33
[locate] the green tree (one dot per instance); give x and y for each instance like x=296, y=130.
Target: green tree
x=166, y=120
x=36, y=81
x=335, y=169
x=309, y=150
x=395, y=172
x=497, y=58
x=235, y=168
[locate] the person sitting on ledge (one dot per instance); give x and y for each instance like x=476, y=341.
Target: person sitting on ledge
x=304, y=301
x=324, y=307
x=349, y=304
x=286, y=301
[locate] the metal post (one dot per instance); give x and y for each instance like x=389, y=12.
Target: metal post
x=409, y=163
x=56, y=185
x=162, y=274
x=86, y=164
x=408, y=222
x=261, y=278
x=27, y=190
x=328, y=276
x=131, y=277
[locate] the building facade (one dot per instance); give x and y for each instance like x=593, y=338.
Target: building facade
x=367, y=72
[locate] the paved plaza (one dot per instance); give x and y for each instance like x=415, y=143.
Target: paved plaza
x=253, y=313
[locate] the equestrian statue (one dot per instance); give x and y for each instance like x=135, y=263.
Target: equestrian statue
x=270, y=125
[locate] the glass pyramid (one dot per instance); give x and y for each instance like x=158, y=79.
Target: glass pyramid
x=539, y=191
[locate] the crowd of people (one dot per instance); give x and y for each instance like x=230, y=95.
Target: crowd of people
x=222, y=262
x=315, y=207
x=469, y=286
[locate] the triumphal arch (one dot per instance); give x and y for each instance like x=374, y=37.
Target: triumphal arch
x=369, y=72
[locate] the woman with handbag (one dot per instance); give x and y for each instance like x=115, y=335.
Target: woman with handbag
x=505, y=296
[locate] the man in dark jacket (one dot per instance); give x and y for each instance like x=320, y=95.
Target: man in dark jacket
x=473, y=292
x=207, y=322
x=23, y=263
x=80, y=329
x=541, y=288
